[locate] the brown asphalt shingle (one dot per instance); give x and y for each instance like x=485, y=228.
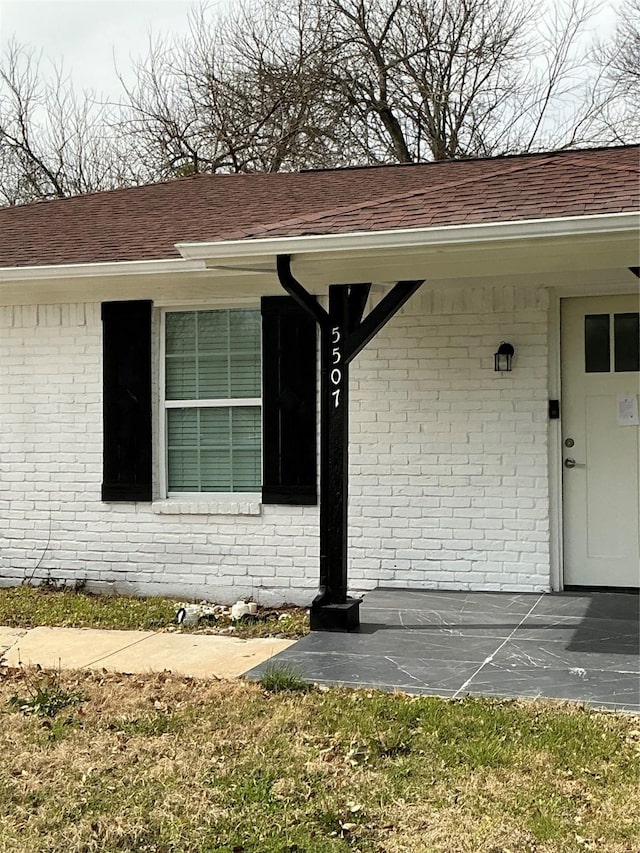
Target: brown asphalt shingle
x=142, y=223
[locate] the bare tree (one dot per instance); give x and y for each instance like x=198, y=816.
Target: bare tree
x=52, y=142
x=245, y=92
x=620, y=63
x=303, y=83
x=457, y=78
x=289, y=84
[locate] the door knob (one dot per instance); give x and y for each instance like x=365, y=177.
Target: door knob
x=569, y=463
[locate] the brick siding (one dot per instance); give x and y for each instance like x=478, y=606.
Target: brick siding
x=448, y=465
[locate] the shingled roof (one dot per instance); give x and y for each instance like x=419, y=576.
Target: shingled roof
x=144, y=223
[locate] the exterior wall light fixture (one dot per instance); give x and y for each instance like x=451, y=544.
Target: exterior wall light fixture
x=503, y=357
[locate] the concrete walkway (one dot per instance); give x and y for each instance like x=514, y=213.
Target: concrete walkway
x=197, y=655
x=577, y=646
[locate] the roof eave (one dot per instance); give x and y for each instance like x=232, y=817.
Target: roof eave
x=225, y=252
x=258, y=254
x=161, y=266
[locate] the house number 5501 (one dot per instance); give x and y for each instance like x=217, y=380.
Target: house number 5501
x=336, y=373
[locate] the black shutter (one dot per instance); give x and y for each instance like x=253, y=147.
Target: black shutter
x=288, y=403
x=126, y=401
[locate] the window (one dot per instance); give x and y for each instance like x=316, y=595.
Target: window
x=213, y=401
x=598, y=339
x=627, y=337
x=238, y=385
x=596, y=343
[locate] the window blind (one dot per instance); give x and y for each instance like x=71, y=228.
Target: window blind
x=214, y=357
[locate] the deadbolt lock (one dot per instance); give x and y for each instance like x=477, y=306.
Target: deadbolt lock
x=569, y=442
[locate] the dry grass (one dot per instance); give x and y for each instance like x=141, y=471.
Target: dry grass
x=30, y=606
x=163, y=764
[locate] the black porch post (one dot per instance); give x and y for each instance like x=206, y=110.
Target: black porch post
x=331, y=608
x=343, y=334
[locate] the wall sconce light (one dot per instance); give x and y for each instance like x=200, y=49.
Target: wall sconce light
x=503, y=357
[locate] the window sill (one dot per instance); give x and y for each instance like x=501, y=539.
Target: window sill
x=215, y=506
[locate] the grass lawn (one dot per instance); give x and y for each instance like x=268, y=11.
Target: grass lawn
x=27, y=607
x=163, y=764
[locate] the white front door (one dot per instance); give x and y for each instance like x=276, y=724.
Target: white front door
x=600, y=349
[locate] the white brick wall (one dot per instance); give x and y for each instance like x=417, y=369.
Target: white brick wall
x=448, y=465
x=449, y=459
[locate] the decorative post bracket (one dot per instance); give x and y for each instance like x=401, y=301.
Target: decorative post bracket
x=343, y=334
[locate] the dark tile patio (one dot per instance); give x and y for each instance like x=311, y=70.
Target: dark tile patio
x=578, y=646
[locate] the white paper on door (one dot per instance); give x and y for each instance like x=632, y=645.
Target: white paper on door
x=628, y=410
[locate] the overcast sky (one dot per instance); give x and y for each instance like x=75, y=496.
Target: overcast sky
x=89, y=33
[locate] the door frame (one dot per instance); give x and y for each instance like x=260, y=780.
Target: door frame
x=556, y=510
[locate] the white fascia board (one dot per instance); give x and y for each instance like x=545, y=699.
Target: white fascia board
x=100, y=270
x=451, y=235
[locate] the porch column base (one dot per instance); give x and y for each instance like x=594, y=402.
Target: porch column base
x=336, y=617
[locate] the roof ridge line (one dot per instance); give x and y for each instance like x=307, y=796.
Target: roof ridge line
x=39, y=202
x=610, y=167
